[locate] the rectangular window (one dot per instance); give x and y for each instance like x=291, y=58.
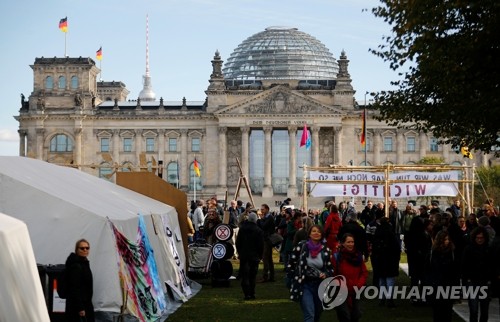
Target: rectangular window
x=104, y=144
x=172, y=145
x=410, y=144
x=368, y=145
x=150, y=144
x=127, y=145
x=388, y=143
x=433, y=145
x=195, y=145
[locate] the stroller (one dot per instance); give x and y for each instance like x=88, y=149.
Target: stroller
x=200, y=258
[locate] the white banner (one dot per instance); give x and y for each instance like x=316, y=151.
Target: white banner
x=370, y=184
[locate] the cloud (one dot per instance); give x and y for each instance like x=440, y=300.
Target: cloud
x=8, y=135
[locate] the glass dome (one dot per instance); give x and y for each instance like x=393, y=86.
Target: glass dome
x=281, y=53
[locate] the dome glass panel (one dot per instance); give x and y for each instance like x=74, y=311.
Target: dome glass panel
x=281, y=53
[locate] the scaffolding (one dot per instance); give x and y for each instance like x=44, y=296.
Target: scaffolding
x=465, y=183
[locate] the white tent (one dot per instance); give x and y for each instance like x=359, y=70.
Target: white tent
x=61, y=205
x=21, y=295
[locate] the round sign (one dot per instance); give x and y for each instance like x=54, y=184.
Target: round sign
x=223, y=232
x=219, y=250
x=221, y=270
x=222, y=250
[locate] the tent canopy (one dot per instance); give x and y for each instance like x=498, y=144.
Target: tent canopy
x=61, y=205
x=21, y=295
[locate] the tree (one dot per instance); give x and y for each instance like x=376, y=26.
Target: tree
x=448, y=56
x=487, y=185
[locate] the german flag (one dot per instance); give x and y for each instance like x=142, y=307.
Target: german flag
x=63, y=24
x=196, y=167
x=98, y=54
x=363, y=129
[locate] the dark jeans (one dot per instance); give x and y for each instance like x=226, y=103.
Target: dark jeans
x=476, y=305
x=267, y=259
x=442, y=310
x=346, y=313
x=248, y=275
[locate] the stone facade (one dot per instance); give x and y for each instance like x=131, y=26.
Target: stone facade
x=71, y=118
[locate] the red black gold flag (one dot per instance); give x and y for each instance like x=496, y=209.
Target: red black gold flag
x=63, y=24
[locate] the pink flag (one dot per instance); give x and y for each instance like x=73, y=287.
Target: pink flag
x=306, y=138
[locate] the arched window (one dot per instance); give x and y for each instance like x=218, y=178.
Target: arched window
x=460, y=173
x=61, y=143
x=105, y=171
x=74, y=82
x=127, y=167
x=62, y=82
x=193, y=178
x=173, y=174
x=49, y=82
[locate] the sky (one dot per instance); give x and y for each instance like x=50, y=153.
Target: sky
x=183, y=37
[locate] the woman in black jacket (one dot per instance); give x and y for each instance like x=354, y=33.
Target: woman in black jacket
x=477, y=272
x=442, y=272
x=79, y=284
x=386, y=253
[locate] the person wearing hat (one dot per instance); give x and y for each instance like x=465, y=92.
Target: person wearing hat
x=250, y=247
x=484, y=221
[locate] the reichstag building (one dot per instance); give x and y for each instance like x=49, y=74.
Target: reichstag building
x=256, y=105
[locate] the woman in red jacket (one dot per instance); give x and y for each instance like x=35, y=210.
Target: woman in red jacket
x=349, y=263
x=332, y=227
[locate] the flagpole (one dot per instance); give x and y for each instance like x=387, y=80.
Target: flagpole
x=194, y=181
x=366, y=136
x=178, y=179
x=65, y=55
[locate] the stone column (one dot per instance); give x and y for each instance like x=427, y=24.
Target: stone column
x=315, y=145
x=446, y=152
x=39, y=143
x=399, y=147
x=161, y=146
x=267, y=190
x=376, y=147
x=22, y=142
x=292, y=167
x=337, y=130
x=245, y=150
x=184, y=173
x=485, y=160
x=116, y=146
x=422, y=145
x=78, y=146
x=138, y=145
x=222, y=160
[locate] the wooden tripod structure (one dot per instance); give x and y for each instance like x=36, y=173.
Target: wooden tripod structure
x=242, y=180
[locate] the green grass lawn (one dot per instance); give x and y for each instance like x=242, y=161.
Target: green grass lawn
x=272, y=304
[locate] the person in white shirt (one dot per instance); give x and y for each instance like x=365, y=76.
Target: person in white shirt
x=198, y=219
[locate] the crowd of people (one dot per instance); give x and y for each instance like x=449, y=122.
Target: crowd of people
x=443, y=248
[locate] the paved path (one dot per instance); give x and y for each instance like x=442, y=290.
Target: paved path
x=462, y=309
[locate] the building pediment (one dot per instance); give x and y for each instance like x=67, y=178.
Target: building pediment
x=278, y=100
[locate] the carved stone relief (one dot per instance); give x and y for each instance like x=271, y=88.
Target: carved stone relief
x=233, y=152
x=281, y=103
x=326, y=144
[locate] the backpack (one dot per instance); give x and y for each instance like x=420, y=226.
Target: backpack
x=62, y=284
